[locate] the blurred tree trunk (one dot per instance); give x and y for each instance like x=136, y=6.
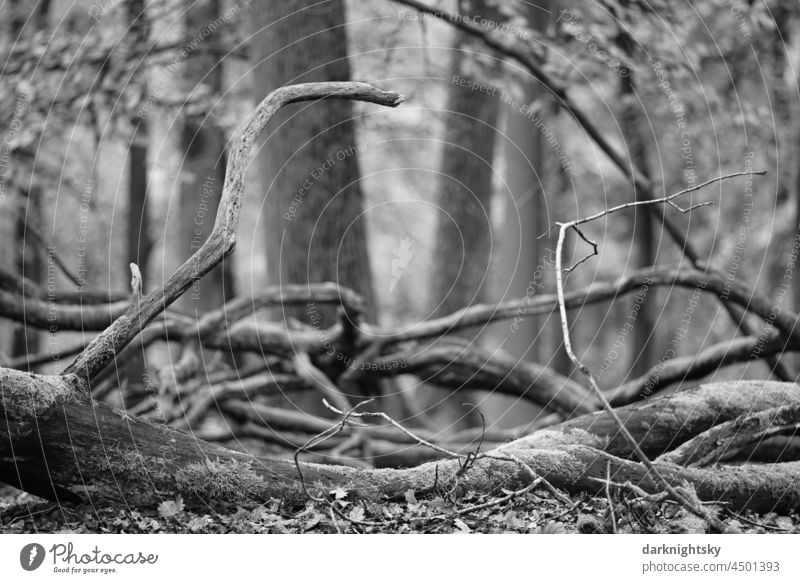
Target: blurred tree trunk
x=27, y=340
x=524, y=262
x=463, y=241
x=139, y=243
x=633, y=123
x=202, y=172
x=794, y=106
x=787, y=106
x=309, y=164
x=464, y=236
x=779, y=70
x=20, y=12
x=30, y=260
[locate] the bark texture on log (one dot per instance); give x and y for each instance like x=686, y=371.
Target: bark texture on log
x=59, y=446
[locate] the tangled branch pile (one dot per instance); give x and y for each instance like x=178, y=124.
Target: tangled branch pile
x=60, y=440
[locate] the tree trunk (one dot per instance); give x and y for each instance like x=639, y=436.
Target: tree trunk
x=309, y=169
x=463, y=241
x=464, y=233
x=30, y=260
x=203, y=168
x=27, y=339
x=523, y=267
x=71, y=461
x=139, y=243
x=633, y=123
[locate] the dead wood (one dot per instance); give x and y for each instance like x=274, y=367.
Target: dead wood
x=58, y=447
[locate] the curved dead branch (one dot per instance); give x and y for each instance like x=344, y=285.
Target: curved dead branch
x=692, y=367
x=462, y=368
x=223, y=236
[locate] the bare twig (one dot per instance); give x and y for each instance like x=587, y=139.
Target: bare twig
x=321, y=438
x=420, y=440
x=661, y=200
x=751, y=522
x=469, y=458
x=611, y=514
x=489, y=504
x=687, y=500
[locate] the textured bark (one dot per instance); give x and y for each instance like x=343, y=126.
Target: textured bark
x=732, y=437
x=309, y=164
x=63, y=406
x=57, y=445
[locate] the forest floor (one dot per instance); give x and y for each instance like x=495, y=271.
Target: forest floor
x=534, y=512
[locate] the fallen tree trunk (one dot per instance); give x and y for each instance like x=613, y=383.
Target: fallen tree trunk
x=60, y=447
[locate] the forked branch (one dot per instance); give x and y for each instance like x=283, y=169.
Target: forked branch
x=686, y=499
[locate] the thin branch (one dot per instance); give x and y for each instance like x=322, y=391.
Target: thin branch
x=279, y=296
x=589, y=255
x=612, y=516
x=687, y=500
x=321, y=438
x=687, y=277
x=663, y=199
x=306, y=370
x=420, y=440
